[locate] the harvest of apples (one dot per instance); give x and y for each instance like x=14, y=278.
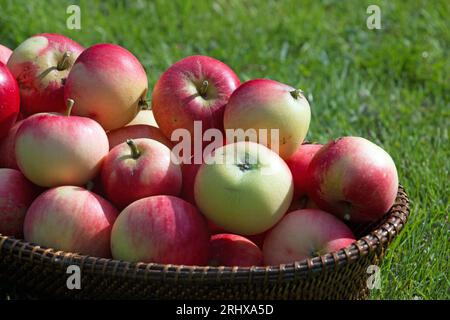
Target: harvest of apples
x=211, y=171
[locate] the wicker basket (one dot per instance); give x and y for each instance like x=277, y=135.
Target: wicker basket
x=41, y=272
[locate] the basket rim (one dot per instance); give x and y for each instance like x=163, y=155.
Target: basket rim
x=387, y=229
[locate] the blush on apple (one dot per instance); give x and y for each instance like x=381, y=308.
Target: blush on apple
x=305, y=234
x=161, y=229
x=234, y=250
x=54, y=149
x=71, y=219
x=137, y=169
x=266, y=104
x=7, y=146
x=121, y=135
x=194, y=88
x=9, y=100
x=41, y=65
x=189, y=171
x=354, y=179
x=16, y=195
x=5, y=53
x=109, y=84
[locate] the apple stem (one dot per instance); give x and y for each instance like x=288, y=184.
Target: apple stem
x=296, y=93
x=69, y=104
x=134, y=149
x=204, y=88
x=144, y=104
x=64, y=63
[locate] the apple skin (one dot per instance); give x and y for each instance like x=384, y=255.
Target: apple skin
x=7, y=146
x=354, y=179
x=233, y=250
x=268, y=104
x=161, y=229
x=127, y=177
x=16, y=195
x=176, y=98
x=109, y=84
x=9, y=100
x=5, y=53
x=36, y=55
x=144, y=117
x=118, y=136
x=305, y=234
x=71, y=219
x=189, y=171
x=244, y=197
x=54, y=150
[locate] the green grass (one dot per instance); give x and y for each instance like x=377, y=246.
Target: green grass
x=390, y=85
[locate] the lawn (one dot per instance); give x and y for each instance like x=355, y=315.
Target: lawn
x=390, y=85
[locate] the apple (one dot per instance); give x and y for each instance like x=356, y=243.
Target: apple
x=144, y=117
x=195, y=88
x=137, y=169
x=5, y=53
x=189, y=171
x=268, y=104
x=305, y=234
x=16, y=195
x=121, y=135
x=55, y=149
x=244, y=188
x=9, y=100
x=41, y=65
x=161, y=229
x=233, y=250
x=109, y=84
x=71, y=219
x=354, y=179
x=7, y=146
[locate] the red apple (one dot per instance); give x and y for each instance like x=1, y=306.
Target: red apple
x=71, y=219
x=41, y=65
x=194, y=88
x=354, y=179
x=305, y=234
x=109, y=84
x=16, y=195
x=7, y=146
x=9, y=100
x=161, y=229
x=189, y=171
x=137, y=169
x=121, y=135
x=5, y=53
x=54, y=149
x=233, y=250
x=264, y=104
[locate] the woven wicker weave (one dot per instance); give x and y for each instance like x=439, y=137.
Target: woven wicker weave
x=42, y=273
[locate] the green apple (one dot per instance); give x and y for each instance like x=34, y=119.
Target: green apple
x=244, y=187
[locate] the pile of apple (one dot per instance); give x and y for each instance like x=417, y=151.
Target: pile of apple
x=87, y=167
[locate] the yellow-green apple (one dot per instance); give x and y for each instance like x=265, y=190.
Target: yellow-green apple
x=71, y=219
x=244, y=188
x=9, y=100
x=161, y=229
x=109, y=84
x=233, y=250
x=144, y=117
x=298, y=164
x=138, y=169
x=353, y=178
x=55, y=149
x=121, y=135
x=305, y=234
x=264, y=104
x=16, y=195
x=7, y=146
x=5, y=53
x=41, y=65
x=195, y=88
